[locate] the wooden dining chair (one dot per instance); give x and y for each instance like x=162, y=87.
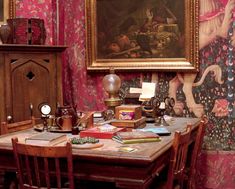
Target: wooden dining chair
x=17, y=126
x=43, y=166
x=178, y=157
x=9, y=176
x=191, y=170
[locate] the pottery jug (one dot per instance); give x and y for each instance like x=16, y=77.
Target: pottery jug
x=64, y=122
x=5, y=32
x=67, y=111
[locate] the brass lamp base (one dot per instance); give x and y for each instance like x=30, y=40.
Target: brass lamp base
x=112, y=102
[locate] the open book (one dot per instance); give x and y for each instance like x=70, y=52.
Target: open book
x=46, y=139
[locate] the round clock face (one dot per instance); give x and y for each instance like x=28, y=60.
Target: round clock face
x=45, y=109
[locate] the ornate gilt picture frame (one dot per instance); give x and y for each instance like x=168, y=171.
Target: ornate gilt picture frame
x=7, y=10
x=158, y=35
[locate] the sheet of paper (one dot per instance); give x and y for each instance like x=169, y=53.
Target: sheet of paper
x=135, y=90
x=148, y=91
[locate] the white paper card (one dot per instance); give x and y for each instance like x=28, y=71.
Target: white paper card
x=148, y=91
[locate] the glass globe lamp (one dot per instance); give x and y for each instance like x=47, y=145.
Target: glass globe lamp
x=112, y=84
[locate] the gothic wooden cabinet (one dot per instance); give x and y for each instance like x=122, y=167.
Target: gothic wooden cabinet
x=29, y=75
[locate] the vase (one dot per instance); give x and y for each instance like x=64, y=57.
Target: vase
x=5, y=32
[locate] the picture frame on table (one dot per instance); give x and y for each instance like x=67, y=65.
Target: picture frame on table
x=151, y=35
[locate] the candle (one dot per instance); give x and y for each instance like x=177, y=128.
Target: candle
x=162, y=106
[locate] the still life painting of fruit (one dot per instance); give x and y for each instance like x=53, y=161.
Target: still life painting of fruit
x=140, y=29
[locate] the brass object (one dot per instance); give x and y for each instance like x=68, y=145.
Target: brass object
x=160, y=121
x=150, y=108
x=45, y=110
x=64, y=122
x=155, y=109
x=9, y=119
x=51, y=121
x=112, y=84
x=112, y=102
x=67, y=111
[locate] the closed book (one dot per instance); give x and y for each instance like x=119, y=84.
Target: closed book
x=97, y=133
x=46, y=139
x=136, y=135
x=161, y=131
x=137, y=140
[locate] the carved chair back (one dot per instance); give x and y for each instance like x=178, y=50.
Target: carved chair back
x=178, y=158
x=195, y=153
x=43, y=166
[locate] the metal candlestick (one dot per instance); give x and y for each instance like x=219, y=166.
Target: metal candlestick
x=165, y=107
x=161, y=120
x=45, y=123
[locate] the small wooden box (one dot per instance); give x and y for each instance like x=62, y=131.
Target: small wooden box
x=130, y=124
x=128, y=112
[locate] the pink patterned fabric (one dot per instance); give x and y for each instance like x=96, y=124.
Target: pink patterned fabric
x=88, y=92
x=216, y=169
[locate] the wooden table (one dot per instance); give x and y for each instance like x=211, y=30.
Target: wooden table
x=135, y=169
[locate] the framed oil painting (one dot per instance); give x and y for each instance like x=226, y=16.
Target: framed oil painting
x=151, y=35
x=7, y=10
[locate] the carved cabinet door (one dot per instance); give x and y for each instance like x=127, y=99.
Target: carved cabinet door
x=31, y=78
x=31, y=82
